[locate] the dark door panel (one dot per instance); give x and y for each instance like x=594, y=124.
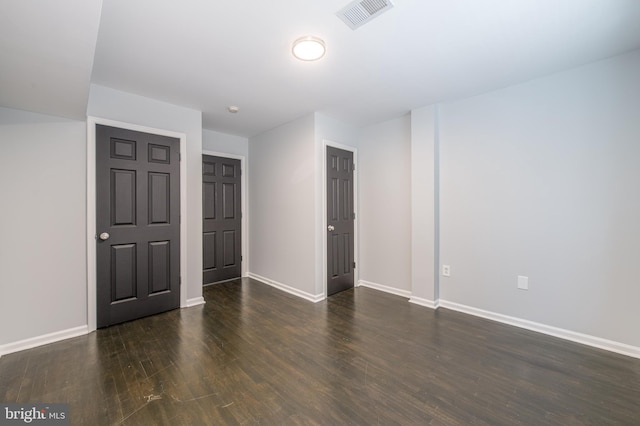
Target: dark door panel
x=340, y=220
x=138, y=218
x=222, y=219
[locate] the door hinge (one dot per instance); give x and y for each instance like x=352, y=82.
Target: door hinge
x=353, y=216
x=354, y=265
x=240, y=258
x=180, y=280
x=179, y=156
x=354, y=167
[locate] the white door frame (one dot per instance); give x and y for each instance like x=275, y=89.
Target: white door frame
x=244, y=227
x=92, y=280
x=356, y=251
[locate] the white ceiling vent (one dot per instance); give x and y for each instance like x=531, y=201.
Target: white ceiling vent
x=359, y=12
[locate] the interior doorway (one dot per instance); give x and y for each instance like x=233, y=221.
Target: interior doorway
x=222, y=218
x=138, y=224
x=341, y=216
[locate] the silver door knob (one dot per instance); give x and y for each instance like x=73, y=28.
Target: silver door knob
x=104, y=236
x=330, y=228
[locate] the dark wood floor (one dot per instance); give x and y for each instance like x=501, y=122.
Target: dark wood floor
x=255, y=355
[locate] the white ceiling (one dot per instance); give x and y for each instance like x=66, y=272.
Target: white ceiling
x=46, y=54
x=209, y=54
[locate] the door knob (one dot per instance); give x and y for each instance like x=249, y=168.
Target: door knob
x=104, y=236
x=330, y=228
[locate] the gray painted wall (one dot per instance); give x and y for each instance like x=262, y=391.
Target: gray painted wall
x=286, y=200
x=224, y=143
x=125, y=107
x=337, y=131
x=424, y=204
x=539, y=179
x=282, y=205
x=542, y=180
x=385, y=203
x=43, y=225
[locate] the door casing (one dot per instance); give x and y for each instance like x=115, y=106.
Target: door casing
x=243, y=206
x=91, y=210
x=356, y=251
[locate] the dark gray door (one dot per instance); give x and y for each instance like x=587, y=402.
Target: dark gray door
x=138, y=224
x=340, y=220
x=222, y=219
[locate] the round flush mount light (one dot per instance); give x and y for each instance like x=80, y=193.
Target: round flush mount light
x=233, y=109
x=308, y=48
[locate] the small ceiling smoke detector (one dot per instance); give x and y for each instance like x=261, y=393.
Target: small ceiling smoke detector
x=359, y=12
x=308, y=48
x=233, y=109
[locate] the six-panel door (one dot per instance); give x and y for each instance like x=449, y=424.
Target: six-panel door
x=138, y=224
x=222, y=219
x=340, y=220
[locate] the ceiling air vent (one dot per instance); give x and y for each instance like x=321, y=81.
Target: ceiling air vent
x=359, y=12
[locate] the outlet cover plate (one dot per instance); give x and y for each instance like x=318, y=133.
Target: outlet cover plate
x=446, y=270
x=523, y=282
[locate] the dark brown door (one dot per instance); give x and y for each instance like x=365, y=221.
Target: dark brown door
x=340, y=220
x=138, y=224
x=222, y=219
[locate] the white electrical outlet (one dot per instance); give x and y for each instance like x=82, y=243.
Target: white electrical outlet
x=446, y=270
x=523, y=282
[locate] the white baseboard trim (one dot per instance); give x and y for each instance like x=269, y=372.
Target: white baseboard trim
x=45, y=339
x=425, y=302
x=221, y=282
x=195, y=302
x=315, y=298
x=585, y=339
x=386, y=289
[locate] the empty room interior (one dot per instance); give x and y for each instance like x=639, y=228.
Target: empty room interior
x=429, y=216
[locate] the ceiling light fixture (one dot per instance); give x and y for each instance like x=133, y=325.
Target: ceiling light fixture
x=308, y=48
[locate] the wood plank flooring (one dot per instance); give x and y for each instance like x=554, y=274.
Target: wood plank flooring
x=254, y=355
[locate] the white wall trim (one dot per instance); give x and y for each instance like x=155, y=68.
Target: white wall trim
x=244, y=176
x=315, y=298
x=573, y=336
x=425, y=302
x=91, y=209
x=386, y=289
x=221, y=282
x=43, y=340
x=356, y=237
x=195, y=301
